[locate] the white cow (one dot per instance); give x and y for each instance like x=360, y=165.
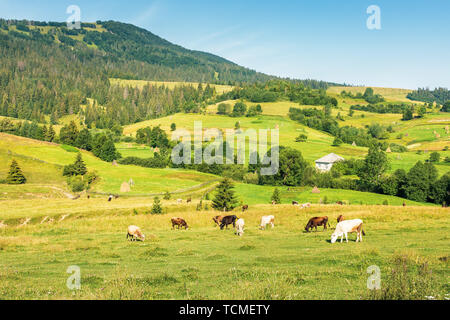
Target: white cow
x=267, y=220
x=135, y=234
x=306, y=205
x=349, y=226
x=179, y=201
x=240, y=224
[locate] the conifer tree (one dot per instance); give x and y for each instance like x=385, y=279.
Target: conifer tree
x=15, y=175
x=157, y=208
x=276, y=196
x=79, y=166
x=225, y=199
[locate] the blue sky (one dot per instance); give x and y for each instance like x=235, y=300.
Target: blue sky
x=320, y=39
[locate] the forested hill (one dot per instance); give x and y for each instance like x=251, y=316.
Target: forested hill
x=130, y=52
x=48, y=70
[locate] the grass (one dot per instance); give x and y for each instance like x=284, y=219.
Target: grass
x=205, y=263
x=220, y=89
x=47, y=169
x=390, y=94
x=253, y=194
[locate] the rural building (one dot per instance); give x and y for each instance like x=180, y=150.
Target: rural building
x=326, y=163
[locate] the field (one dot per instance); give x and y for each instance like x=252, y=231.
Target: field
x=390, y=94
x=41, y=222
x=205, y=263
x=220, y=89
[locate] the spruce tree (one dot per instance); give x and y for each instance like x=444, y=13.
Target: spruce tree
x=79, y=166
x=157, y=208
x=15, y=175
x=225, y=199
x=276, y=196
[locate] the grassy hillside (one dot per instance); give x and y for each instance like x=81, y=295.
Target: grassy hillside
x=390, y=94
x=148, y=181
x=205, y=263
x=220, y=89
x=318, y=144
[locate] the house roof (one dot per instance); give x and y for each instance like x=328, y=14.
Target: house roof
x=331, y=158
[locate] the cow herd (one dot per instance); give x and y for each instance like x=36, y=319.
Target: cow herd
x=343, y=228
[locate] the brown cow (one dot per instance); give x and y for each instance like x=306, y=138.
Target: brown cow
x=340, y=219
x=189, y=200
x=245, y=208
x=180, y=223
x=317, y=222
x=340, y=203
x=218, y=220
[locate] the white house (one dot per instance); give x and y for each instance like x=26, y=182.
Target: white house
x=326, y=163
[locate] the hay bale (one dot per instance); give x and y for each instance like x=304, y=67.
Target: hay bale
x=125, y=188
x=316, y=190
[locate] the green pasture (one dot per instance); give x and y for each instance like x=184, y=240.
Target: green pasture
x=205, y=263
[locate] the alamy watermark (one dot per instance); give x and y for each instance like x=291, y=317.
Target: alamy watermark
x=374, y=20
x=374, y=280
x=74, y=20
x=74, y=280
x=234, y=142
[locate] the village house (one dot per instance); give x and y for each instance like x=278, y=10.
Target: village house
x=326, y=163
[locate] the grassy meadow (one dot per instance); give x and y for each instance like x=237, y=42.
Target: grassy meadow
x=206, y=263
x=43, y=231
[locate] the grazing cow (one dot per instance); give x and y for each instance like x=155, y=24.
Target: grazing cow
x=218, y=220
x=317, y=222
x=341, y=218
x=180, y=201
x=135, y=234
x=295, y=203
x=88, y=197
x=180, y=223
x=340, y=203
x=228, y=220
x=306, y=205
x=404, y=204
x=245, y=208
x=267, y=220
x=240, y=224
x=189, y=200
x=349, y=226
x=274, y=203
x=110, y=198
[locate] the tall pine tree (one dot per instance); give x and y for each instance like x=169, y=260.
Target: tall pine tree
x=15, y=175
x=225, y=199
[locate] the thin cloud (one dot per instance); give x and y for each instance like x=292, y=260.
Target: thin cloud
x=147, y=15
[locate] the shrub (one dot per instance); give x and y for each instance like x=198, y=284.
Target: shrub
x=302, y=138
x=337, y=142
x=167, y=195
x=251, y=178
x=435, y=157
x=76, y=183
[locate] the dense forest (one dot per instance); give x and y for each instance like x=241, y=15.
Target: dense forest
x=49, y=71
x=306, y=92
x=438, y=95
